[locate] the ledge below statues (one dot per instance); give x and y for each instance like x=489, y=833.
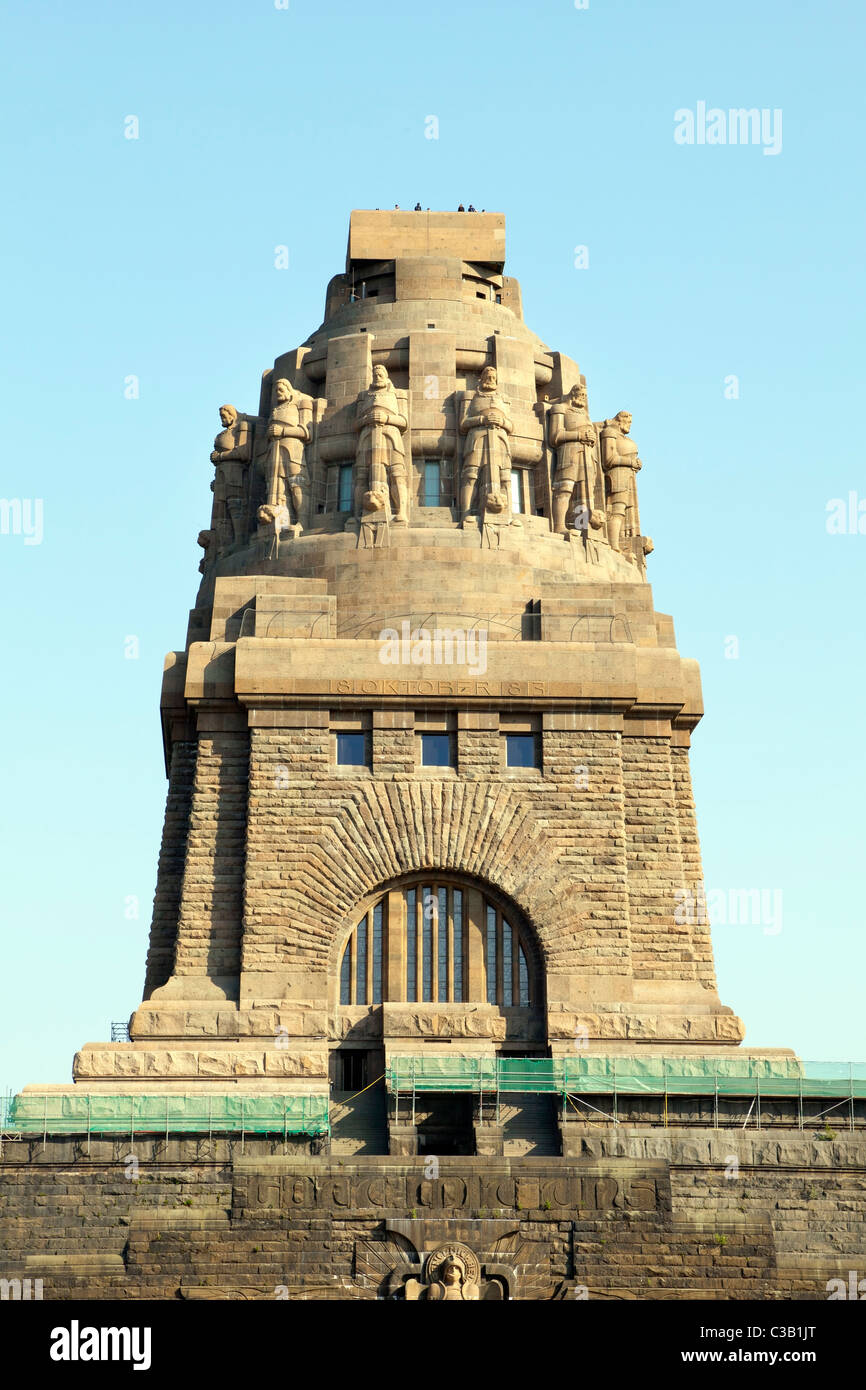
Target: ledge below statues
x=452, y=559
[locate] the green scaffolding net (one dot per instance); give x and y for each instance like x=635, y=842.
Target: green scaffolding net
x=631, y=1076
x=167, y=1114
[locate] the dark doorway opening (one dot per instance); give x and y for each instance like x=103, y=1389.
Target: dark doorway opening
x=445, y=1127
x=353, y=1069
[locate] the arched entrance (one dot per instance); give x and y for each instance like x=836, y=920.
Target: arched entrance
x=441, y=965
x=437, y=938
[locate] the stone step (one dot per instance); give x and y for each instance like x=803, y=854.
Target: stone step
x=358, y=1123
x=529, y=1126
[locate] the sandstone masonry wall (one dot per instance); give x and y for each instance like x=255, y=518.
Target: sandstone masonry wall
x=211, y=903
x=215, y=1219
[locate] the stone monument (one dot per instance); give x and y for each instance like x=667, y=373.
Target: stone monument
x=430, y=897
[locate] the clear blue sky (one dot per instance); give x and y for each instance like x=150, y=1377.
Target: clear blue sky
x=155, y=257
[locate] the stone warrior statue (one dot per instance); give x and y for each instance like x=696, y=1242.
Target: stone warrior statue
x=380, y=462
x=487, y=425
x=621, y=463
x=287, y=434
x=572, y=434
x=231, y=453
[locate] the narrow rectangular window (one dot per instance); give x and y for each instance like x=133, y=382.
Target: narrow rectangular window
x=507, y=990
x=432, y=484
x=411, y=949
x=491, y=955
x=346, y=975
x=344, y=494
x=521, y=750
x=361, y=962
x=457, y=919
x=351, y=750
x=442, y=943
x=427, y=946
x=524, y=978
x=530, y=491
x=377, y=954
x=436, y=750
x=516, y=492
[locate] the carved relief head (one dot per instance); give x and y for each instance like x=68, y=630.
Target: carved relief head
x=283, y=391
x=487, y=379
x=623, y=419
x=228, y=415
x=456, y=1270
x=381, y=378
x=577, y=395
x=374, y=501
x=278, y=515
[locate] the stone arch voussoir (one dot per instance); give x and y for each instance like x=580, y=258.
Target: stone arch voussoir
x=480, y=830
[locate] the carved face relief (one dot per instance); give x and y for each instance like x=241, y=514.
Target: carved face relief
x=453, y=1264
x=623, y=419
x=380, y=378
x=283, y=391
x=374, y=501
x=487, y=379
x=228, y=415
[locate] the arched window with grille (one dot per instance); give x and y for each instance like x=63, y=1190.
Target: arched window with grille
x=435, y=939
x=506, y=967
x=361, y=980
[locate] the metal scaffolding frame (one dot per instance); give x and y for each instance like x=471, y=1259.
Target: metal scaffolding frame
x=572, y=1080
x=145, y=1115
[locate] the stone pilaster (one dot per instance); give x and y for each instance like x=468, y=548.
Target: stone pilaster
x=702, y=945
x=211, y=902
x=661, y=947
x=283, y=934
x=583, y=800
x=172, y=857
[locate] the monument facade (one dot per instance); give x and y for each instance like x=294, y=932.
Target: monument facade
x=430, y=830
x=371, y=854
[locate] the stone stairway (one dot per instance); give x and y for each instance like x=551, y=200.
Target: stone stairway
x=529, y=1126
x=358, y=1122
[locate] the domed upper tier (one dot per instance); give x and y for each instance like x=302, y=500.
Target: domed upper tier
x=424, y=404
